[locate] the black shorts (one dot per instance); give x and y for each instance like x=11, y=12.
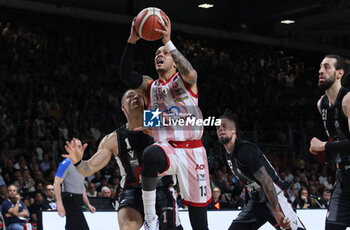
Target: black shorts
x=256, y=214
x=165, y=206
x=339, y=207
x=132, y=198
x=75, y=218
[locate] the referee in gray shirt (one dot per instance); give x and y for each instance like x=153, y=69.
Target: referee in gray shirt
x=71, y=196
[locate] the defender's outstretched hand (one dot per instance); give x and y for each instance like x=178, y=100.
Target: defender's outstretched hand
x=75, y=153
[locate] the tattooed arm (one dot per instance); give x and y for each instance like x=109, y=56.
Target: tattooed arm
x=184, y=66
x=268, y=186
x=99, y=160
x=270, y=191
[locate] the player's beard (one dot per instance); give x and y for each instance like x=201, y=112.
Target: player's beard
x=327, y=83
x=224, y=140
x=160, y=70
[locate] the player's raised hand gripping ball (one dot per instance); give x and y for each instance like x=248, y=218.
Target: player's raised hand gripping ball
x=147, y=21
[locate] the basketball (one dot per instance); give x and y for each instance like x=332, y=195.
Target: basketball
x=147, y=21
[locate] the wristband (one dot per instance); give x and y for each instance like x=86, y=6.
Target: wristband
x=342, y=146
x=131, y=46
x=77, y=164
x=170, y=46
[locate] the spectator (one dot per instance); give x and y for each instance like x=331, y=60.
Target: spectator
x=313, y=191
x=45, y=163
x=291, y=193
x=329, y=183
x=39, y=187
x=28, y=181
x=35, y=208
x=326, y=197
x=106, y=192
x=14, y=211
x=323, y=177
x=50, y=202
x=216, y=202
x=2, y=181
x=302, y=201
x=91, y=190
x=303, y=180
x=297, y=185
x=97, y=180
x=3, y=193
x=220, y=180
x=21, y=165
x=289, y=176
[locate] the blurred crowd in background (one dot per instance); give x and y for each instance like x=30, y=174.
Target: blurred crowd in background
x=59, y=78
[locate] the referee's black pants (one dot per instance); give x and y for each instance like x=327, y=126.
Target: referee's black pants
x=74, y=213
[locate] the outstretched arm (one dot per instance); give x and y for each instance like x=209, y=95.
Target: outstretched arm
x=99, y=160
x=270, y=191
x=130, y=77
x=188, y=73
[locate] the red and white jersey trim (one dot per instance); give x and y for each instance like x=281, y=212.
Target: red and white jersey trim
x=175, y=92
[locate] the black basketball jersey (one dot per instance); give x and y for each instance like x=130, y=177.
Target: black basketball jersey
x=244, y=161
x=335, y=122
x=130, y=146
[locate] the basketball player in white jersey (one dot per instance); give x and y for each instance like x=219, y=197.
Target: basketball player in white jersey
x=177, y=149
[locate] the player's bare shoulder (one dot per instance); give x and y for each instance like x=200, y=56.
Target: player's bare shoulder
x=346, y=105
x=110, y=141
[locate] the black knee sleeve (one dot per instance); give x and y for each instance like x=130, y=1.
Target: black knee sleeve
x=198, y=217
x=153, y=161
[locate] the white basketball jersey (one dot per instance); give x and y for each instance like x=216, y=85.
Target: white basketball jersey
x=179, y=107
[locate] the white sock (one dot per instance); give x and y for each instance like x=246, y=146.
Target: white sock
x=149, y=202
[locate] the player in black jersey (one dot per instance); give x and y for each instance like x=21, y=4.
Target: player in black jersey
x=127, y=146
x=334, y=107
x=267, y=197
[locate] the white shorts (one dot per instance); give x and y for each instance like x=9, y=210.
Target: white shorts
x=188, y=160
